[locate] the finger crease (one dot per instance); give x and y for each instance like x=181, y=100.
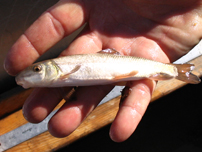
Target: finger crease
x=59, y=28
x=38, y=53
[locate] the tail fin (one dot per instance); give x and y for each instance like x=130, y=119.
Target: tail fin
x=184, y=73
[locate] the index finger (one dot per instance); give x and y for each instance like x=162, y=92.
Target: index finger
x=57, y=22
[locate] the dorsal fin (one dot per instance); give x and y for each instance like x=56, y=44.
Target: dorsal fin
x=109, y=51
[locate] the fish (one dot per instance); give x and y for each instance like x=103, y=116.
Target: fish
x=104, y=67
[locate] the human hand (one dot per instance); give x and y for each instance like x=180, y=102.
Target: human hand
x=157, y=30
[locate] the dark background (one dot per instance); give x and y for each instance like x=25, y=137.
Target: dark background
x=170, y=124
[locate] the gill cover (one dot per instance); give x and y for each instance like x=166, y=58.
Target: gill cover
x=39, y=74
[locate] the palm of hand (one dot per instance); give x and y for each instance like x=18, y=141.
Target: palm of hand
x=160, y=31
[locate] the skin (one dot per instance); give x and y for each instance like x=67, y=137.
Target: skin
x=157, y=30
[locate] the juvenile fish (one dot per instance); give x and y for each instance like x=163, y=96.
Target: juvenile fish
x=104, y=67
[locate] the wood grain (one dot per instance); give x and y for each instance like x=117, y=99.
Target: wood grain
x=13, y=102
x=100, y=117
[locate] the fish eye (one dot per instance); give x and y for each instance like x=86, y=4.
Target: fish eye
x=37, y=68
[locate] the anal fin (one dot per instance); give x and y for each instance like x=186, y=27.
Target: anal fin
x=160, y=76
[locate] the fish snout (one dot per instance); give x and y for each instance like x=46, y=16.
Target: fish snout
x=20, y=81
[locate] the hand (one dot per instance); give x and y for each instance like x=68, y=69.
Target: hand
x=159, y=30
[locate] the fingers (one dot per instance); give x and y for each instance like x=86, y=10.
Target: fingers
x=85, y=99
x=74, y=111
x=60, y=20
x=86, y=42
x=41, y=102
x=132, y=110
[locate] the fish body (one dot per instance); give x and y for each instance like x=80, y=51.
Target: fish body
x=99, y=69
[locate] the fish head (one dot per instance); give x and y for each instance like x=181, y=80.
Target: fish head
x=38, y=75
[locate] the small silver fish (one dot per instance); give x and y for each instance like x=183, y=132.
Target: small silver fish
x=104, y=67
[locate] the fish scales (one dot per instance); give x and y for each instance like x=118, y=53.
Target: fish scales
x=101, y=66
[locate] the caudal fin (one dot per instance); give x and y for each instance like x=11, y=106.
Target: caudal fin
x=184, y=73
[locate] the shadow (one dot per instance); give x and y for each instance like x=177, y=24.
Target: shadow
x=15, y=17
x=170, y=124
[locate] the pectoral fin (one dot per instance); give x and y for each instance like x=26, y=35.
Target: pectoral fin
x=123, y=76
x=109, y=51
x=66, y=76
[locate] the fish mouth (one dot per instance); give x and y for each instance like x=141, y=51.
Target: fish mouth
x=21, y=82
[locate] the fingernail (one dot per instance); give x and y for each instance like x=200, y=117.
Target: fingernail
x=24, y=113
x=111, y=134
x=6, y=67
